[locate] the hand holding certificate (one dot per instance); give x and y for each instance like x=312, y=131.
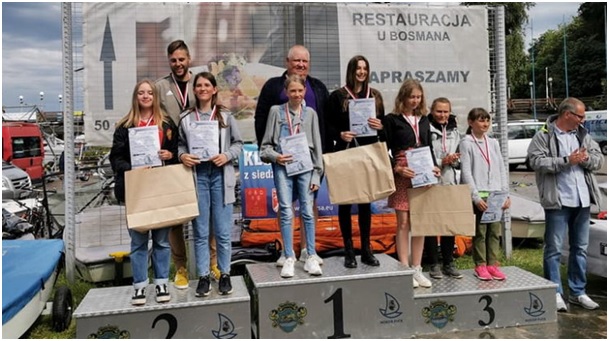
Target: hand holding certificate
x=421, y=162
x=144, y=145
x=298, y=147
x=360, y=110
x=204, y=137
x=495, y=202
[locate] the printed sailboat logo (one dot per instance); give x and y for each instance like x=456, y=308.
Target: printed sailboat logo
x=535, y=307
x=226, y=328
x=392, y=307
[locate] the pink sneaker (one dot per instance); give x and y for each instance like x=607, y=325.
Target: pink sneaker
x=494, y=271
x=482, y=273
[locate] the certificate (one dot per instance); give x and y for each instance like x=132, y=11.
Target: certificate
x=204, y=139
x=144, y=145
x=494, y=202
x=420, y=161
x=360, y=110
x=297, y=146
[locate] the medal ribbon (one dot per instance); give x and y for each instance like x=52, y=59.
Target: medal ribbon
x=289, y=119
x=353, y=95
x=415, y=127
x=487, y=156
x=183, y=96
x=211, y=117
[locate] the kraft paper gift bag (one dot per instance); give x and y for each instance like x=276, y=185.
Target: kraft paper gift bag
x=359, y=175
x=441, y=211
x=160, y=197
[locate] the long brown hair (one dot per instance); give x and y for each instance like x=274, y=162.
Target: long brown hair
x=214, y=98
x=408, y=86
x=134, y=115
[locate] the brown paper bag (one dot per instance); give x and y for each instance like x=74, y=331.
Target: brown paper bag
x=359, y=175
x=160, y=197
x=441, y=211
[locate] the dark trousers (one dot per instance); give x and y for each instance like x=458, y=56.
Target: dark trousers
x=447, y=246
x=364, y=218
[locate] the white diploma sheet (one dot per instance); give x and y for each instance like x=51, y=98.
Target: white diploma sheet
x=204, y=139
x=360, y=110
x=494, y=202
x=297, y=146
x=144, y=145
x=421, y=162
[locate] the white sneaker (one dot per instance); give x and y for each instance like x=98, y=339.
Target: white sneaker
x=415, y=284
x=304, y=255
x=560, y=304
x=418, y=276
x=312, y=266
x=288, y=268
x=280, y=261
x=584, y=301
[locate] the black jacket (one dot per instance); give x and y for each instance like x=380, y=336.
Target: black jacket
x=400, y=135
x=120, y=155
x=337, y=117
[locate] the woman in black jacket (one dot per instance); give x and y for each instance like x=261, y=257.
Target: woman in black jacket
x=357, y=91
x=145, y=111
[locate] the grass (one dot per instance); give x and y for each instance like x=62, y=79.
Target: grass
x=527, y=256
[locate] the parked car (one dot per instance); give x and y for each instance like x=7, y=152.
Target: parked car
x=596, y=123
x=16, y=183
x=520, y=134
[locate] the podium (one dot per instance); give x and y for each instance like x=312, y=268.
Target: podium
x=108, y=313
x=365, y=302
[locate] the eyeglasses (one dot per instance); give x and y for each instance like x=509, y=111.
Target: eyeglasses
x=580, y=117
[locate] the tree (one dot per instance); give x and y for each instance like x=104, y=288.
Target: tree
x=517, y=62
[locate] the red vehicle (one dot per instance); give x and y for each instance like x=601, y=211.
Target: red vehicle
x=22, y=145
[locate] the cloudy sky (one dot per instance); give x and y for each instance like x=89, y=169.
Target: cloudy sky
x=31, y=48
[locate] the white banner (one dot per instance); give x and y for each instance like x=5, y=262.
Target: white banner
x=445, y=48
x=244, y=44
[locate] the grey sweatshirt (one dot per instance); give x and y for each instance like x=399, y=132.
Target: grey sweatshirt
x=476, y=172
x=277, y=127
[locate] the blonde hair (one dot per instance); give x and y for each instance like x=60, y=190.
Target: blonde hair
x=408, y=86
x=134, y=115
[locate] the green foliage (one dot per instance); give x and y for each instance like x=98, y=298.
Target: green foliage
x=583, y=41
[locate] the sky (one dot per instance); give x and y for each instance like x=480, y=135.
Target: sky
x=32, y=48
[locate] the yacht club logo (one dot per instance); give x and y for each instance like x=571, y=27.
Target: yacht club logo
x=439, y=313
x=392, y=307
x=287, y=316
x=109, y=332
x=535, y=308
x=226, y=328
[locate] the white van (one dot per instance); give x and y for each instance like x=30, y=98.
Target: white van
x=596, y=123
x=520, y=134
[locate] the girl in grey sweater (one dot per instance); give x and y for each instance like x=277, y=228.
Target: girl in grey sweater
x=483, y=170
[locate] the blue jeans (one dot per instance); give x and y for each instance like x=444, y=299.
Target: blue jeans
x=210, y=189
x=300, y=184
x=139, y=256
x=575, y=220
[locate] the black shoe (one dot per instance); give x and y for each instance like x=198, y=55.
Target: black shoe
x=139, y=297
x=369, y=259
x=451, y=271
x=350, y=261
x=224, y=287
x=435, y=271
x=162, y=294
x=204, y=287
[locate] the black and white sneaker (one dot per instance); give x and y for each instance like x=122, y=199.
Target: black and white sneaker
x=162, y=294
x=225, y=287
x=139, y=297
x=204, y=286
